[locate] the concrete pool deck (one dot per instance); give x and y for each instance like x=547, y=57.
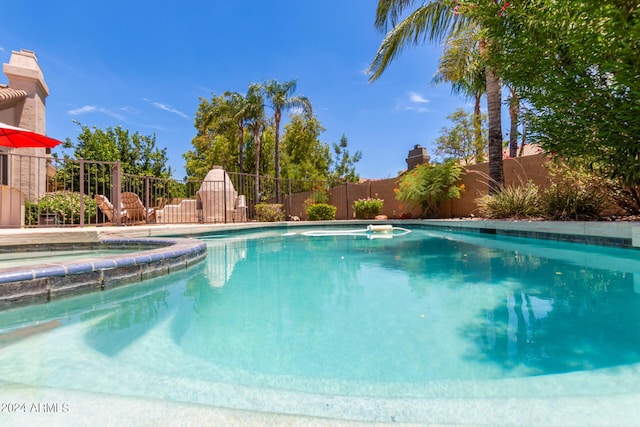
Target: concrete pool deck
x=619, y=233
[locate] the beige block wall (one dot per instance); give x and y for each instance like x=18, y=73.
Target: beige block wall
x=516, y=171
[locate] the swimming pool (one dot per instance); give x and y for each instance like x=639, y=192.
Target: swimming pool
x=429, y=327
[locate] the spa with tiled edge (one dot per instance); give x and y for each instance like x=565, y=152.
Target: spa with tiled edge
x=144, y=259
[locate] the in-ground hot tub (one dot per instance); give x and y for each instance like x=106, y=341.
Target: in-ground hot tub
x=111, y=263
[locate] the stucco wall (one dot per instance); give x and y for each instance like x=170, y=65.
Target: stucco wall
x=24, y=73
x=516, y=171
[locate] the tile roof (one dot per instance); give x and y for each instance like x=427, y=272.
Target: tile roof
x=9, y=97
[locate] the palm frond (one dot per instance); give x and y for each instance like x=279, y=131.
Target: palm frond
x=430, y=22
x=388, y=12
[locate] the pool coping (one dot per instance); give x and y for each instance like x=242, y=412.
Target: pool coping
x=610, y=233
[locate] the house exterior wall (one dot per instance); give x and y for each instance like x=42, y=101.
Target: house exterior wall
x=24, y=73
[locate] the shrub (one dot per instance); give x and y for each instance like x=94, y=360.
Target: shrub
x=368, y=208
x=64, y=204
x=566, y=203
x=319, y=195
x=626, y=196
x=576, y=193
x=427, y=185
x=521, y=201
x=269, y=212
x=321, y=211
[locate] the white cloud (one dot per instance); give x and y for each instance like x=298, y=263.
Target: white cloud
x=417, y=98
x=415, y=102
x=168, y=108
x=416, y=109
x=82, y=110
x=93, y=109
x=129, y=110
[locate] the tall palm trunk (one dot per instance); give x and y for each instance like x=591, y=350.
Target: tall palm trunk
x=477, y=129
x=494, y=104
x=514, y=114
x=277, y=116
x=240, y=146
x=494, y=101
x=256, y=148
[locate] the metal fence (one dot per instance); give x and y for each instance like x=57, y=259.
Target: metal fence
x=39, y=191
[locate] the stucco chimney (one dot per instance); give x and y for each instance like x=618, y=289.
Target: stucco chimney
x=24, y=72
x=417, y=156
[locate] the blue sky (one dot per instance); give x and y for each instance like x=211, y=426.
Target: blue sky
x=145, y=65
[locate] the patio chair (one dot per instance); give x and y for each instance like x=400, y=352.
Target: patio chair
x=136, y=212
x=107, y=208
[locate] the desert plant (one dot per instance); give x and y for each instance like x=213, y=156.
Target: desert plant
x=368, y=208
x=269, y=212
x=576, y=192
x=321, y=211
x=571, y=203
x=522, y=201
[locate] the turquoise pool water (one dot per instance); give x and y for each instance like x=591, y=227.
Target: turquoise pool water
x=355, y=328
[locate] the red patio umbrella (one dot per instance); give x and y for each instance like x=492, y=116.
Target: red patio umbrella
x=15, y=137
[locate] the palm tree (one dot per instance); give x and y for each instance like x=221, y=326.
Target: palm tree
x=281, y=99
x=256, y=122
x=462, y=67
x=433, y=21
x=238, y=110
x=514, y=114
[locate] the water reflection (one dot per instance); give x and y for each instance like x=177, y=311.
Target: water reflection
x=222, y=257
x=555, y=316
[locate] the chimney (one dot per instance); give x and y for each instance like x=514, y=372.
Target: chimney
x=417, y=156
x=24, y=73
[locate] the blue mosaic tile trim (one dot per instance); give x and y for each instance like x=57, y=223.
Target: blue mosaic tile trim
x=41, y=282
x=575, y=238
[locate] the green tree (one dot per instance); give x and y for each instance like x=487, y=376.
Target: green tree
x=256, y=121
x=239, y=111
x=137, y=153
x=280, y=96
x=434, y=21
x=215, y=142
x=305, y=156
x=462, y=67
x=343, y=164
x=575, y=63
x=459, y=141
